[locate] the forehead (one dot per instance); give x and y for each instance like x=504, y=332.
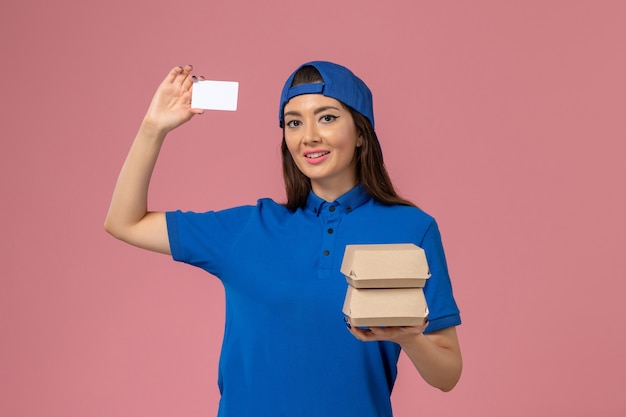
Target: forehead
x=305, y=102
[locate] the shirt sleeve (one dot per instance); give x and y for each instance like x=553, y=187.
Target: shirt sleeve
x=205, y=239
x=443, y=310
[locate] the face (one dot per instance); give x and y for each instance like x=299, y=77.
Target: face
x=322, y=139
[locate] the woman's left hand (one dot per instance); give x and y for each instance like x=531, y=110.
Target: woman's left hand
x=400, y=335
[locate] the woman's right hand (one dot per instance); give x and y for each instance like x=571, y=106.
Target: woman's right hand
x=128, y=218
x=171, y=104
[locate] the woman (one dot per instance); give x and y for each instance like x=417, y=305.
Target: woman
x=286, y=350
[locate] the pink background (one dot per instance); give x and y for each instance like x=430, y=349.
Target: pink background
x=503, y=119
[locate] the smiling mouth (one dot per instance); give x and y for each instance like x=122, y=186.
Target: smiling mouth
x=316, y=154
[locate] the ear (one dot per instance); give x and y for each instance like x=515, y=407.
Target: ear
x=359, y=140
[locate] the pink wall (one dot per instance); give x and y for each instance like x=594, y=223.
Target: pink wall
x=504, y=119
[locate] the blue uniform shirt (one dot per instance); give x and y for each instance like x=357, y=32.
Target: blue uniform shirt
x=286, y=350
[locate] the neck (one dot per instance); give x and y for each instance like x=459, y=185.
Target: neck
x=331, y=192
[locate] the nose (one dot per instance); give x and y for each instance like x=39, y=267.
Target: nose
x=310, y=133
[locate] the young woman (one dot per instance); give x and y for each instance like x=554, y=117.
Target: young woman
x=286, y=349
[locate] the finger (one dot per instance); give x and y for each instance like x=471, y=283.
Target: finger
x=174, y=72
x=182, y=75
x=364, y=334
x=378, y=332
x=360, y=333
x=188, y=82
x=189, y=77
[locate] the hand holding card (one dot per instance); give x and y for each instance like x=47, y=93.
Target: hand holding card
x=214, y=95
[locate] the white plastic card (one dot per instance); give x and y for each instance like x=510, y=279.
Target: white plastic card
x=214, y=95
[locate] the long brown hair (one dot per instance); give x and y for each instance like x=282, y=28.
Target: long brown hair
x=370, y=168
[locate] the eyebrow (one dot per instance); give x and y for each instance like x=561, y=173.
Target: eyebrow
x=316, y=111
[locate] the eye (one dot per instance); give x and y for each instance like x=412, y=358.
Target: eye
x=293, y=123
x=327, y=118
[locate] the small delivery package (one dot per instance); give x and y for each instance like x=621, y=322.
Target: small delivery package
x=385, y=285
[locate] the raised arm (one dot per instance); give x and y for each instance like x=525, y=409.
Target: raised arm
x=128, y=218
